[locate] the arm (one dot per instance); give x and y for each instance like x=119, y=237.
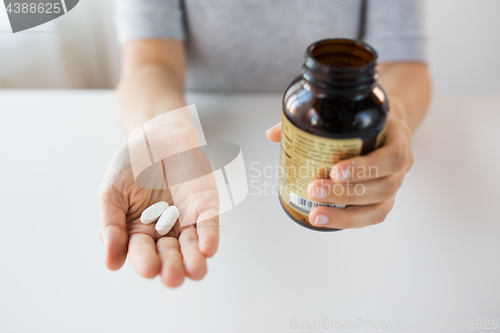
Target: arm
x=151, y=82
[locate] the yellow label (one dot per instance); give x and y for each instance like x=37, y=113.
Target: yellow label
x=305, y=157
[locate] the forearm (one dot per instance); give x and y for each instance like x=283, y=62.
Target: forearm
x=151, y=83
x=146, y=93
x=408, y=86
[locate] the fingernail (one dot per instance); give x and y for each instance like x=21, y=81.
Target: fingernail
x=340, y=174
x=316, y=191
x=321, y=219
x=275, y=127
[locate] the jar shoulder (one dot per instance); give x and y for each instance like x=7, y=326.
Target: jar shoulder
x=335, y=114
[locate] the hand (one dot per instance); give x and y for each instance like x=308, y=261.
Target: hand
x=184, y=250
x=376, y=191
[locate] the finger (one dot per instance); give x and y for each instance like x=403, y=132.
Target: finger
x=393, y=156
x=172, y=271
x=208, y=236
x=195, y=263
x=274, y=133
x=143, y=255
x=365, y=193
x=350, y=217
x=113, y=232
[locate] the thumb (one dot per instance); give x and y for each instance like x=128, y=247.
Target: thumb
x=274, y=133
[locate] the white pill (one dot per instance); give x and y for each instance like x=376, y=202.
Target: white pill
x=167, y=220
x=153, y=212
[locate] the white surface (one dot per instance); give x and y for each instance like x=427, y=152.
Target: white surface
x=153, y=212
x=435, y=258
x=463, y=45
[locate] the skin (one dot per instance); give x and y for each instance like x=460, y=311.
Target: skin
x=180, y=253
x=151, y=84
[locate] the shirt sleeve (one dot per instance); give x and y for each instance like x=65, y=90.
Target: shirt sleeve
x=149, y=19
x=396, y=29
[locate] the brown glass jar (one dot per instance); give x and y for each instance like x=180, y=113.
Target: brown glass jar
x=334, y=110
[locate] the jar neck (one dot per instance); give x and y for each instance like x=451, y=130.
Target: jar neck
x=341, y=65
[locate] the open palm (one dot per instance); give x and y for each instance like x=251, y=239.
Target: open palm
x=180, y=253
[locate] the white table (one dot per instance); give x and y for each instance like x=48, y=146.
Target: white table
x=435, y=258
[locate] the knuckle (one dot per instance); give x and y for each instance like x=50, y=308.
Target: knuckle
x=411, y=161
x=165, y=244
x=381, y=216
x=347, y=198
x=187, y=238
x=105, y=193
x=341, y=219
x=400, y=154
x=346, y=223
x=384, y=210
x=406, y=129
x=391, y=186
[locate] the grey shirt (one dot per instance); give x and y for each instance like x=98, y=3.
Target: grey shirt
x=258, y=45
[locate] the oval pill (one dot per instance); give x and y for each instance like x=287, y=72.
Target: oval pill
x=167, y=220
x=153, y=212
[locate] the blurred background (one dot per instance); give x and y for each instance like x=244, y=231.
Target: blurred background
x=80, y=51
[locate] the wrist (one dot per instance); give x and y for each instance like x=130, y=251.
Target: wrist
x=173, y=127
x=132, y=116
